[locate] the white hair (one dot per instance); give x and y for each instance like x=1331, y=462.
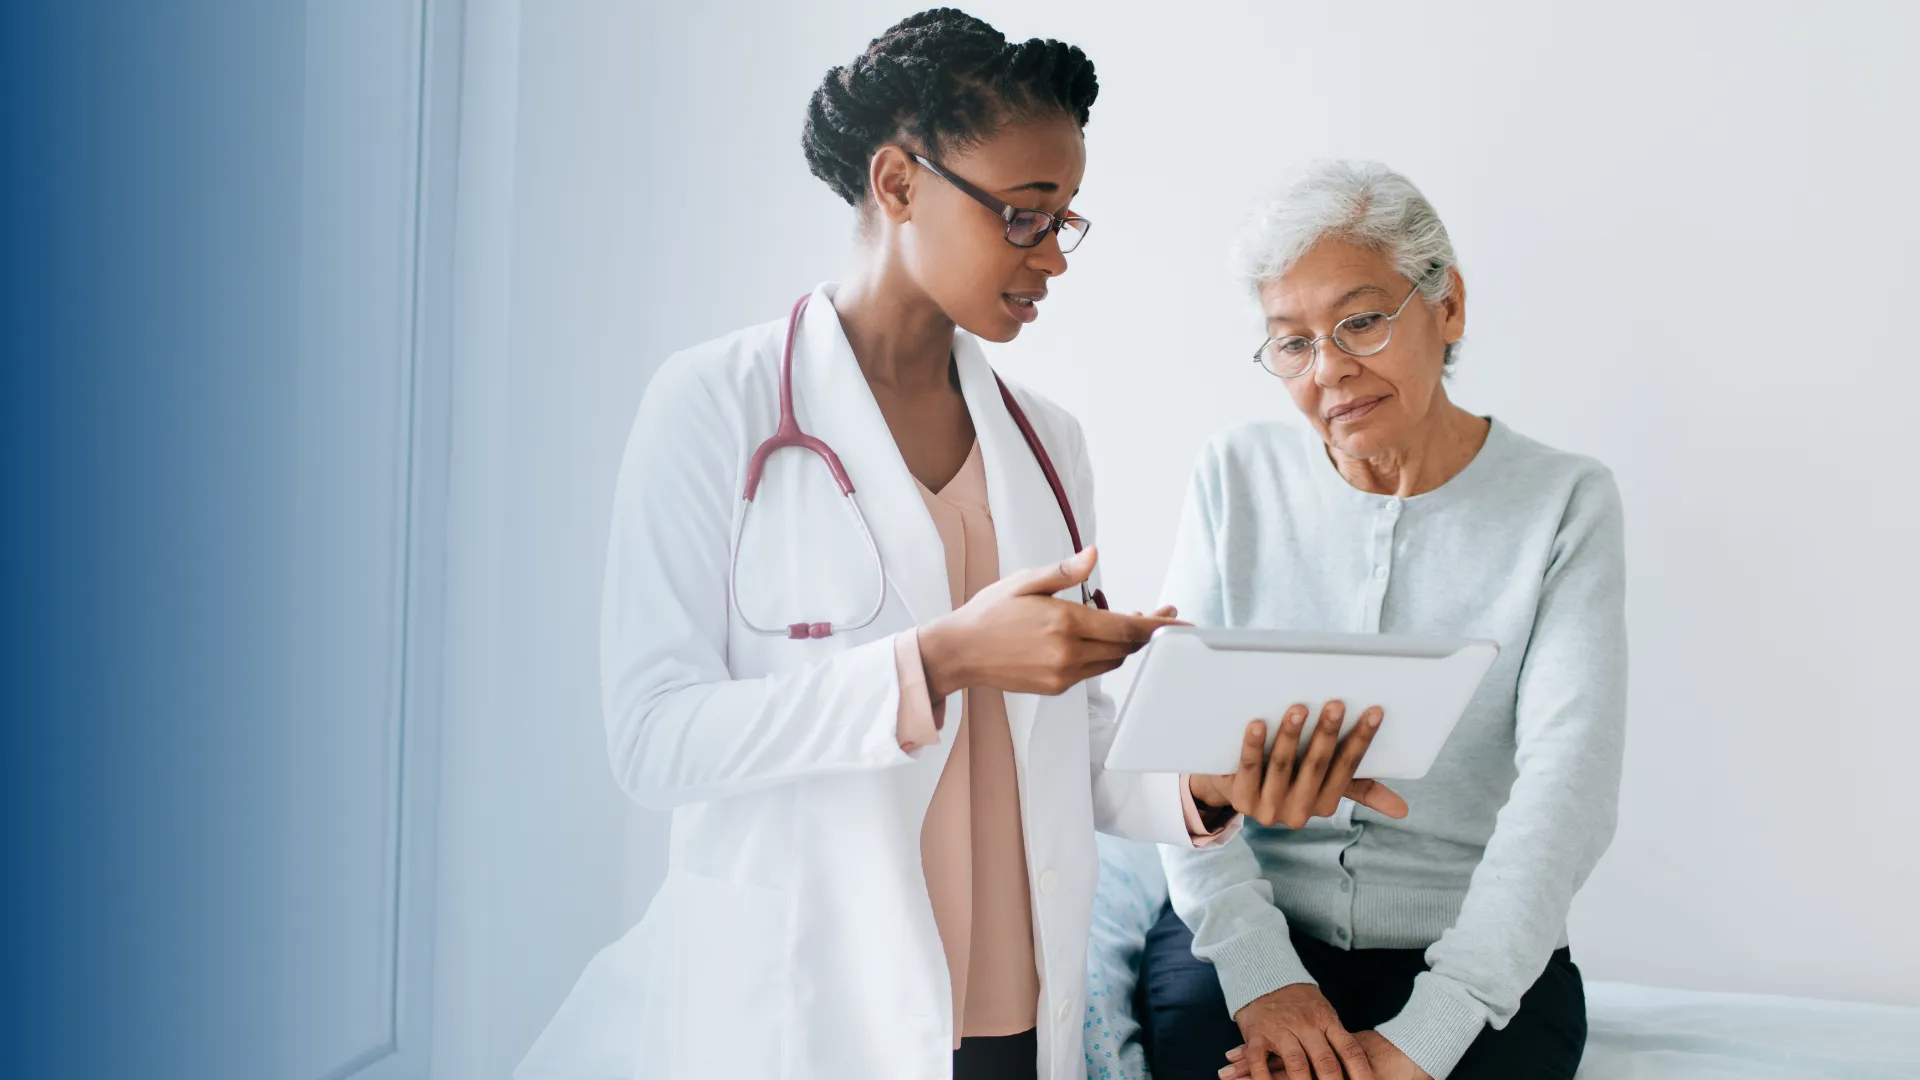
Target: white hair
x=1361, y=202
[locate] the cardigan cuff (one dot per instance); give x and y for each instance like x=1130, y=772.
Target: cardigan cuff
x=1255, y=964
x=1437, y=1025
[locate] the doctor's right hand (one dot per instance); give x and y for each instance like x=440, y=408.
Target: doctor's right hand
x=1015, y=636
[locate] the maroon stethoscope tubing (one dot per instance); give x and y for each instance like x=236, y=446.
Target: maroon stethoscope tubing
x=789, y=436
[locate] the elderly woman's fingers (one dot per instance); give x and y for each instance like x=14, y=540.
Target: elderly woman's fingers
x=1238, y=1067
x=1346, y=762
x=1375, y=795
x=1286, y=746
x=1246, y=781
x=1297, y=808
x=1322, y=1056
x=1294, y=1057
x=1352, y=1057
x=1256, y=1057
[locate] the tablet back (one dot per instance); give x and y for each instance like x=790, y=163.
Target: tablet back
x=1197, y=689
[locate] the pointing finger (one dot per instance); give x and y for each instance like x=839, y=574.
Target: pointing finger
x=1058, y=577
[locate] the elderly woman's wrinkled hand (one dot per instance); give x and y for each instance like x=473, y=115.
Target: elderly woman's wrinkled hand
x=1387, y=1060
x=1293, y=1033
x=1274, y=788
x=1381, y=1060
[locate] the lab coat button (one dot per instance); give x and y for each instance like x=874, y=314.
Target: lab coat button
x=1380, y=573
x=1049, y=882
x=1066, y=1009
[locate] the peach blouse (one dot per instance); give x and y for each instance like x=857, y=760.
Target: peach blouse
x=971, y=846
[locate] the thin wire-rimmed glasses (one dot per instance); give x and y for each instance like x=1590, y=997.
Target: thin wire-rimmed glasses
x=1363, y=334
x=1025, y=228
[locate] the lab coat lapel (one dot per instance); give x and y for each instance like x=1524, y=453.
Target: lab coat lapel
x=834, y=403
x=1028, y=528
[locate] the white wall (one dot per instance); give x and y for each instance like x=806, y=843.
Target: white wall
x=1687, y=233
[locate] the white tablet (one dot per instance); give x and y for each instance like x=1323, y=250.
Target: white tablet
x=1197, y=689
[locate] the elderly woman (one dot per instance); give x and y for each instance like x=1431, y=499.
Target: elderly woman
x=1359, y=945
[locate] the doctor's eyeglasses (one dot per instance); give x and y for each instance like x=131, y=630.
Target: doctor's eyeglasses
x=1025, y=228
x=1363, y=334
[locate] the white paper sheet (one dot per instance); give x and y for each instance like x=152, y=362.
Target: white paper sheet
x=1641, y=1033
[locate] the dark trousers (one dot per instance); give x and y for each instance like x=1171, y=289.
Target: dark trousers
x=998, y=1057
x=1186, y=1031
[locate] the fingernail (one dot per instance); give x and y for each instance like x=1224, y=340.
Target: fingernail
x=1226, y=1072
x=1372, y=719
x=1235, y=1054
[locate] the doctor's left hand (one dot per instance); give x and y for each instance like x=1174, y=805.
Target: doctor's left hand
x=1016, y=636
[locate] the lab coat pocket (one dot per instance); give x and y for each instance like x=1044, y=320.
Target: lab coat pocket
x=730, y=955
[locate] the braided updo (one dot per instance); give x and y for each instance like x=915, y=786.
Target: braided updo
x=943, y=78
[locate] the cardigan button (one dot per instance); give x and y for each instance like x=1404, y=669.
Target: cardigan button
x=1049, y=882
x=1066, y=1009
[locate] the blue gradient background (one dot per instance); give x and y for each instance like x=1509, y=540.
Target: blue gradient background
x=151, y=188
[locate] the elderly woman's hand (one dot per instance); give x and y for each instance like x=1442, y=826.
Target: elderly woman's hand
x=1379, y=1059
x=1387, y=1060
x=1293, y=1033
x=1273, y=790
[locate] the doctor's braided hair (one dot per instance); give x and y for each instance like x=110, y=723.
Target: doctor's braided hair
x=941, y=78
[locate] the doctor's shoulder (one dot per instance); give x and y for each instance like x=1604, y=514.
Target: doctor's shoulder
x=1058, y=429
x=717, y=378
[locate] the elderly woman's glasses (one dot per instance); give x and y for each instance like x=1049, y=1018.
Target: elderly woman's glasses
x=1357, y=335
x=1025, y=228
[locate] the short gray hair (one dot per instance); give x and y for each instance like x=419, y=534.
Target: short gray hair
x=1361, y=202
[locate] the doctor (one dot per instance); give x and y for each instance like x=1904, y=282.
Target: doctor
x=883, y=757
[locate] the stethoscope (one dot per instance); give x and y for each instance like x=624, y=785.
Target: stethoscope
x=788, y=434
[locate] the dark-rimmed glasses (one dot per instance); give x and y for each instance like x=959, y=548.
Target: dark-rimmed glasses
x=1357, y=335
x=1025, y=228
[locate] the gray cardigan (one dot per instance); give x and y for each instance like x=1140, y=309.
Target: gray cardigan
x=1524, y=547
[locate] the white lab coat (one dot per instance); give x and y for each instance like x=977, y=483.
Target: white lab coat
x=793, y=936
